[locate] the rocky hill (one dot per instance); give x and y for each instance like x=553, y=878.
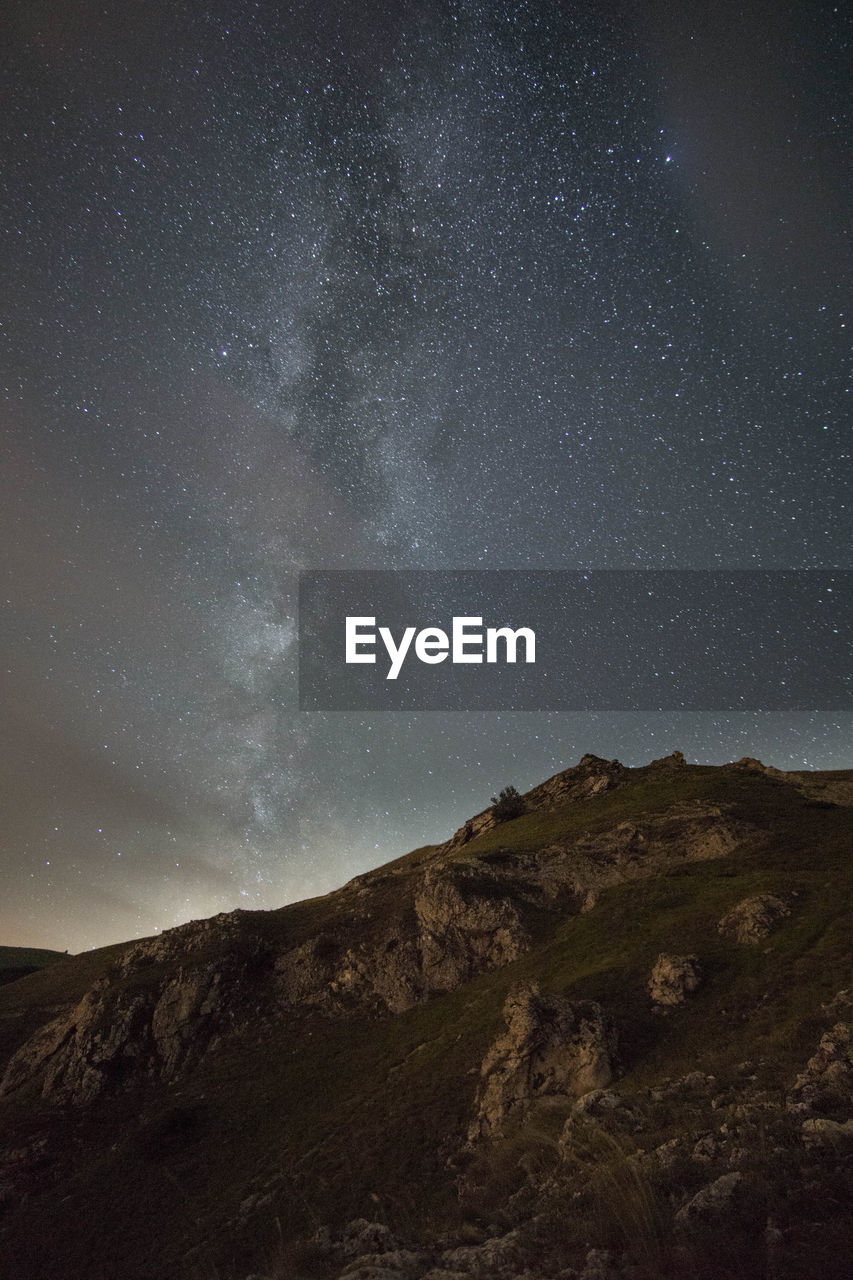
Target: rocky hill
x=608, y=1038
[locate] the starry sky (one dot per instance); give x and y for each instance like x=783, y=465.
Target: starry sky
x=448, y=284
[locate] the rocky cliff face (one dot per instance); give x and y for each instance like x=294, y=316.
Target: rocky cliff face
x=146, y=1019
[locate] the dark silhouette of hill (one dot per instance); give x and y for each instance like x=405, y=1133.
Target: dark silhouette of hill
x=18, y=962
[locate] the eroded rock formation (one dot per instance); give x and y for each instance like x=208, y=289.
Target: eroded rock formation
x=551, y=1047
x=751, y=920
x=673, y=978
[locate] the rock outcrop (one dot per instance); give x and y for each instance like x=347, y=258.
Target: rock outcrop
x=751, y=920
x=825, y=1086
x=712, y=1202
x=127, y=1028
x=821, y=1132
x=830, y=787
x=467, y=925
x=592, y=776
x=552, y=1047
x=674, y=978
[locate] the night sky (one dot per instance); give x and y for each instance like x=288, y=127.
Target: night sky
x=381, y=285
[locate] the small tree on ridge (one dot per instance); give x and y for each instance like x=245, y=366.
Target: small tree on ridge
x=508, y=805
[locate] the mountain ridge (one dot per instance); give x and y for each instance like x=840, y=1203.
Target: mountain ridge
x=568, y=923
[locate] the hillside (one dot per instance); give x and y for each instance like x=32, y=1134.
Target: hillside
x=609, y=1038
x=18, y=962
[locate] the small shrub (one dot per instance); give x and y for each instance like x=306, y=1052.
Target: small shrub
x=508, y=805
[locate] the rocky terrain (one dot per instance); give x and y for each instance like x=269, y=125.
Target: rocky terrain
x=608, y=1038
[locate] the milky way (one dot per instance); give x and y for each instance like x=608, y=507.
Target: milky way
x=435, y=285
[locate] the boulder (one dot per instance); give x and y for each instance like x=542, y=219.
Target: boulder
x=599, y=1106
x=715, y=1200
x=751, y=920
x=598, y=1102
x=360, y=1237
x=821, y=1132
x=673, y=978
x=496, y=1258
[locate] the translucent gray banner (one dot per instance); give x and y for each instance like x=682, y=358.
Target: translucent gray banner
x=542, y=640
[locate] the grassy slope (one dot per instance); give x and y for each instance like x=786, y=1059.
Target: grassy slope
x=348, y=1114
x=19, y=962
x=28, y=957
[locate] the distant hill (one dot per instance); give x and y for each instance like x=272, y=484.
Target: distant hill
x=17, y=962
x=609, y=1038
